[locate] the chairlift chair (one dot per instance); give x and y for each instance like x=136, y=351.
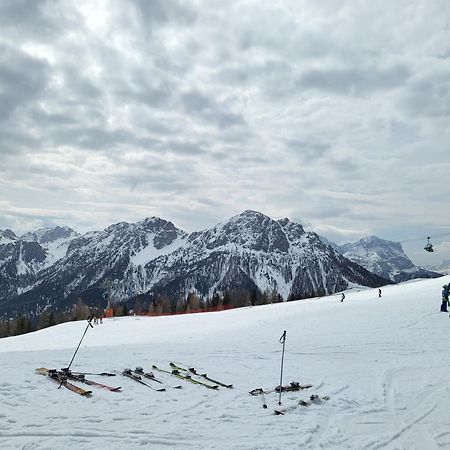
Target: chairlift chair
x=429, y=246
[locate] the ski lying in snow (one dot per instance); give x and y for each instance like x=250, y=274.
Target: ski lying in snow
x=292, y=387
x=102, y=374
x=313, y=399
x=81, y=378
x=177, y=374
x=129, y=374
x=150, y=375
x=203, y=375
x=62, y=381
x=260, y=391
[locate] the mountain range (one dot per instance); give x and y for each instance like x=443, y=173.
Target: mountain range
x=250, y=251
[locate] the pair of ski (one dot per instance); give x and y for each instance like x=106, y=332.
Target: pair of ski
x=193, y=371
x=293, y=386
x=183, y=374
x=137, y=375
x=313, y=399
x=62, y=377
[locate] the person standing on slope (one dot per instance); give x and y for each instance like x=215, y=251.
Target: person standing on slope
x=445, y=292
x=379, y=293
x=342, y=297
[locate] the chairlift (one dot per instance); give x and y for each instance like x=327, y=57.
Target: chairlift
x=429, y=246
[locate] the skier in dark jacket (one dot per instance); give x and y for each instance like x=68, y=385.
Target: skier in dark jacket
x=342, y=297
x=445, y=293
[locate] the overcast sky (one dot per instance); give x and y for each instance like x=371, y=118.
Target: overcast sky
x=333, y=113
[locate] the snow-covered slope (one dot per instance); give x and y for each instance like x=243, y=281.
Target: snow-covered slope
x=382, y=361
x=384, y=258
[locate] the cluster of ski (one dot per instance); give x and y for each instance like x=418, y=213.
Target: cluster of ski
x=63, y=376
x=292, y=387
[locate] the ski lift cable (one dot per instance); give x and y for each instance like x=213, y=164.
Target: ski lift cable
x=425, y=237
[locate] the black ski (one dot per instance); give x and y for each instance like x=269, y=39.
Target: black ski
x=177, y=374
x=151, y=376
x=313, y=399
x=203, y=375
x=102, y=374
x=293, y=386
x=129, y=374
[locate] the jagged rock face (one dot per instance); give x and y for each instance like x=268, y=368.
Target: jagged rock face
x=46, y=235
x=19, y=263
x=250, y=251
x=253, y=251
x=384, y=258
x=7, y=236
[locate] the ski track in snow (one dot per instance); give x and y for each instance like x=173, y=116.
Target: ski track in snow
x=384, y=365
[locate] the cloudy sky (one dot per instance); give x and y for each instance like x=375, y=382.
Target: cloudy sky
x=335, y=114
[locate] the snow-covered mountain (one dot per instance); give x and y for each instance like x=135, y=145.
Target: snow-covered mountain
x=253, y=251
x=54, y=240
x=443, y=268
x=7, y=237
x=250, y=251
x=384, y=258
x=22, y=258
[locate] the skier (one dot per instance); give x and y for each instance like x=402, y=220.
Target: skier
x=342, y=297
x=379, y=293
x=445, y=293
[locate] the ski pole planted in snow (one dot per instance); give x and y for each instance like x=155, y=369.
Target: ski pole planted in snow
x=282, y=341
x=89, y=324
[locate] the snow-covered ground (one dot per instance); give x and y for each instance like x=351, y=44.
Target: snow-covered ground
x=384, y=363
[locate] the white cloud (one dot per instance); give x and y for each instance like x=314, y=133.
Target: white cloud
x=333, y=112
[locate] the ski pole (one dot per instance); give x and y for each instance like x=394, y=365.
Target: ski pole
x=89, y=324
x=282, y=341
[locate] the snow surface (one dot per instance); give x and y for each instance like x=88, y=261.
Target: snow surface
x=384, y=363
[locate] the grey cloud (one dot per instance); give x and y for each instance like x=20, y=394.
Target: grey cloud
x=151, y=12
x=22, y=78
x=429, y=96
x=197, y=104
x=30, y=19
x=353, y=80
x=308, y=150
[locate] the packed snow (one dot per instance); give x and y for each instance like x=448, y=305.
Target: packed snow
x=383, y=362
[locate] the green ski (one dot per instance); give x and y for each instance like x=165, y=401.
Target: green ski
x=177, y=374
x=203, y=375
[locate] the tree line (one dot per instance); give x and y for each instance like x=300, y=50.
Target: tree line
x=158, y=304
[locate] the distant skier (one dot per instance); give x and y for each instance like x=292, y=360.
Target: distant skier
x=445, y=293
x=342, y=297
x=379, y=293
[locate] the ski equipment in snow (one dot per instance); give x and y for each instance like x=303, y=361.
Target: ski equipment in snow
x=62, y=381
x=89, y=324
x=150, y=375
x=282, y=341
x=203, y=375
x=81, y=378
x=177, y=374
x=313, y=399
x=129, y=374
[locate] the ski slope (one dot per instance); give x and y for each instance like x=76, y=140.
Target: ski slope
x=384, y=363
